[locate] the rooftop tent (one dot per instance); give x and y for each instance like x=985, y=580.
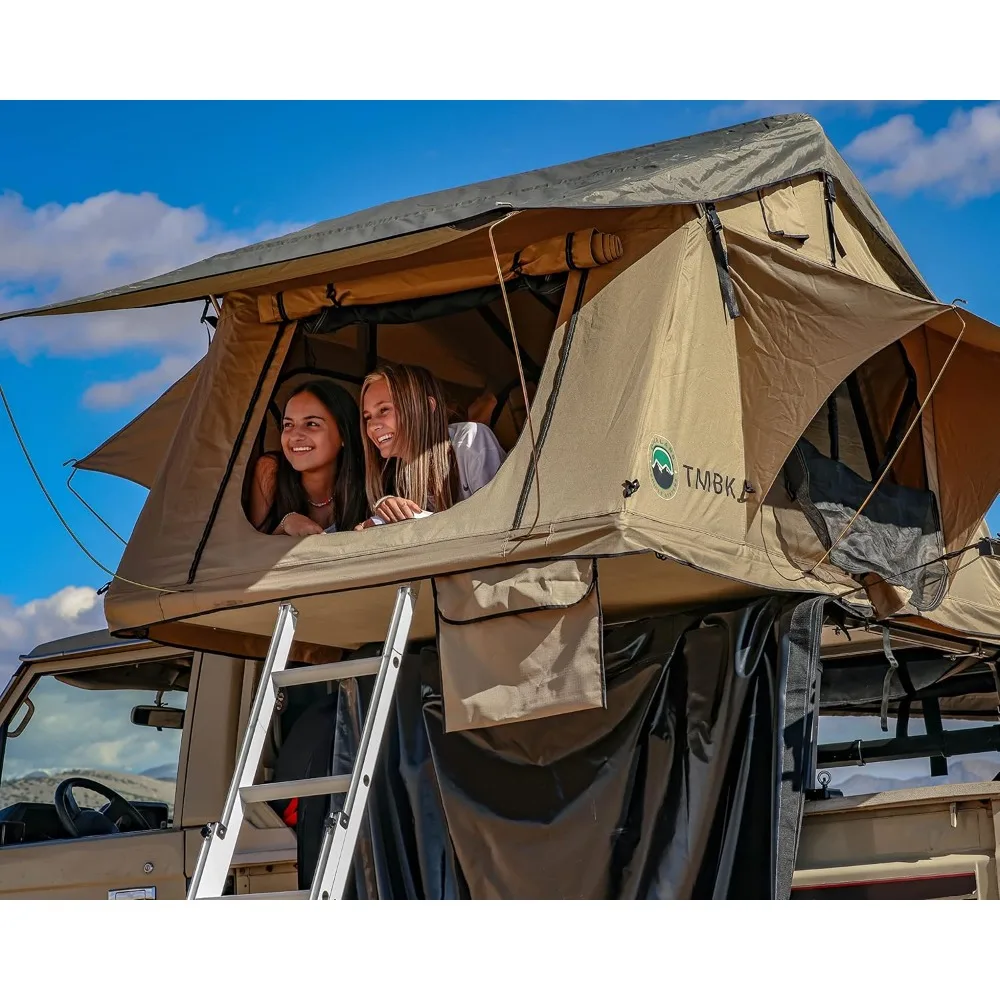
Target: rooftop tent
x=723, y=341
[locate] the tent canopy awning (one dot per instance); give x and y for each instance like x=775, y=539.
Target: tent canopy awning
x=704, y=168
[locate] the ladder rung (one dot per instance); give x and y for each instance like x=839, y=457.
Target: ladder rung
x=245, y=799
x=341, y=670
x=272, y=790
x=287, y=894
x=261, y=815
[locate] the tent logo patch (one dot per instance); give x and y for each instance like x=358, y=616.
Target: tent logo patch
x=663, y=467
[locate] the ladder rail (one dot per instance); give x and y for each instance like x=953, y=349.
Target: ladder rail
x=215, y=857
x=342, y=829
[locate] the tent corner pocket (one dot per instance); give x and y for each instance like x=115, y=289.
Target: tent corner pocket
x=518, y=642
x=783, y=217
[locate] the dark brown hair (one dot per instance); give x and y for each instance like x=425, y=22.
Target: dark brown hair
x=349, y=504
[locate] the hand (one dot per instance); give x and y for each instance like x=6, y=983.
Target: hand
x=394, y=509
x=363, y=525
x=298, y=526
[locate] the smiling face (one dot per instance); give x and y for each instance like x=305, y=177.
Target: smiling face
x=379, y=415
x=310, y=438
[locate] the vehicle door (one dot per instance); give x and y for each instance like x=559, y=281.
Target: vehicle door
x=89, y=759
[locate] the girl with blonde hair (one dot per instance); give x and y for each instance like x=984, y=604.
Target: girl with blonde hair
x=416, y=463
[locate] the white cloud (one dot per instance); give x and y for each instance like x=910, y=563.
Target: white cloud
x=55, y=252
x=112, y=235
x=959, y=162
x=102, y=334
x=58, y=252
x=74, y=728
x=143, y=385
x=66, y=612
x=886, y=141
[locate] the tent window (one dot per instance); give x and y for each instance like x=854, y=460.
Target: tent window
x=463, y=338
x=836, y=433
x=865, y=418
x=893, y=534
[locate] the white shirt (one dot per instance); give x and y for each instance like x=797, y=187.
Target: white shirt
x=477, y=453
x=478, y=456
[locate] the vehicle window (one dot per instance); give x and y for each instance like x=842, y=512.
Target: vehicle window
x=86, y=724
x=912, y=773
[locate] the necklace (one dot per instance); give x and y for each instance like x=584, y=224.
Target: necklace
x=325, y=503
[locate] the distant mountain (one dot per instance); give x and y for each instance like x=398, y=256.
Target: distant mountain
x=166, y=771
x=40, y=787
x=959, y=772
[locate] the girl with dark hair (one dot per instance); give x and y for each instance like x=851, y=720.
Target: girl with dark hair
x=417, y=463
x=316, y=483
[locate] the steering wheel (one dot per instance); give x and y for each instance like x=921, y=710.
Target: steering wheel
x=80, y=822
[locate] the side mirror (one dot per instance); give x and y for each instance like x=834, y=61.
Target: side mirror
x=158, y=717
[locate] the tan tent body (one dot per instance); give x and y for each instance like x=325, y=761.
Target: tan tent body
x=697, y=385
x=137, y=451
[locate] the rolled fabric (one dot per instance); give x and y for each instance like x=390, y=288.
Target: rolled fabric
x=591, y=248
x=605, y=247
x=582, y=249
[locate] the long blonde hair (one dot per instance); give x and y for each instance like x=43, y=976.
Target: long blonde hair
x=425, y=471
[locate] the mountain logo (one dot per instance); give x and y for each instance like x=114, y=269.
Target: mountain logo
x=663, y=467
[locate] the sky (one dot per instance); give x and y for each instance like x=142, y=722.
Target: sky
x=93, y=195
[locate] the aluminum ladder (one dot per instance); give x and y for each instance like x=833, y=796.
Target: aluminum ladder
x=341, y=834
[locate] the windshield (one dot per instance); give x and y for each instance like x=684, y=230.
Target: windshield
x=88, y=731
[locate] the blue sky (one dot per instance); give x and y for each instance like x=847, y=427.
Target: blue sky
x=92, y=195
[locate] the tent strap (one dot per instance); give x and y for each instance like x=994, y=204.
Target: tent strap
x=721, y=260
x=830, y=192
x=887, y=682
